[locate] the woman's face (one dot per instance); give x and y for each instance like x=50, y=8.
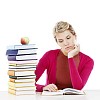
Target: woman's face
x=66, y=40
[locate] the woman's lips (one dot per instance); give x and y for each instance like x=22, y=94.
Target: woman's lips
x=70, y=47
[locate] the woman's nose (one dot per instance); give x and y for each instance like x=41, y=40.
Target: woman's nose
x=66, y=42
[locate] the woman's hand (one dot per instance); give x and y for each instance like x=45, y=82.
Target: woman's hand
x=74, y=51
x=51, y=88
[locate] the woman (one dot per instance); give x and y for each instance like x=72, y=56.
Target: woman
x=66, y=67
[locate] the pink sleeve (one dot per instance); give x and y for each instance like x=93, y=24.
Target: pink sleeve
x=43, y=63
x=79, y=79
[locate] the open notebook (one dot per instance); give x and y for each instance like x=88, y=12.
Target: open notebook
x=66, y=91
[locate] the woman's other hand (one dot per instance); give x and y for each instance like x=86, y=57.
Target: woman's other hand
x=51, y=88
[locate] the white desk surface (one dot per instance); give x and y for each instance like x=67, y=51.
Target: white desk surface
x=90, y=95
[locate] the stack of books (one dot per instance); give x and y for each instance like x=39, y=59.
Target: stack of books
x=22, y=60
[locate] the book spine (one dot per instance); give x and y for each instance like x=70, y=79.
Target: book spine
x=11, y=52
x=11, y=73
x=12, y=84
x=11, y=58
x=12, y=80
x=11, y=91
x=14, y=77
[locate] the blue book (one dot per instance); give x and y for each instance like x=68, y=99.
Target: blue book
x=27, y=46
x=21, y=52
x=21, y=57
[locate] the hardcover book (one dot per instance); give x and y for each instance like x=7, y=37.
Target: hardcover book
x=21, y=84
x=22, y=88
x=21, y=73
x=14, y=92
x=22, y=77
x=20, y=65
x=21, y=80
x=29, y=46
x=21, y=52
x=24, y=62
x=22, y=68
x=21, y=57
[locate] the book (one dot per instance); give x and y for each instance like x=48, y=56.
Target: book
x=22, y=77
x=21, y=52
x=21, y=73
x=22, y=80
x=28, y=46
x=24, y=62
x=14, y=92
x=19, y=65
x=21, y=57
x=66, y=91
x=22, y=68
x=20, y=84
x=22, y=88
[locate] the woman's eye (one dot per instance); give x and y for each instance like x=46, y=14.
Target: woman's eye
x=60, y=41
x=68, y=37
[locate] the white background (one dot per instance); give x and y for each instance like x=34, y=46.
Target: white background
x=36, y=19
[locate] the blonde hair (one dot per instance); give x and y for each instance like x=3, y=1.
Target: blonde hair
x=61, y=27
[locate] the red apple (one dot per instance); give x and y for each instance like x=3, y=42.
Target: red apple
x=24, y=40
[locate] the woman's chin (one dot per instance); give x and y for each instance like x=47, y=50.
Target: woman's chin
x=67, y=51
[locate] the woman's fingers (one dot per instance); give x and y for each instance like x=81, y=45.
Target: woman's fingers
x=50, y=87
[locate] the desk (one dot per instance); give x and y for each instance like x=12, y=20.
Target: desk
x=90, y=95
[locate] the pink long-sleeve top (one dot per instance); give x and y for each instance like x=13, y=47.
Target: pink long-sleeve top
x=78, y=75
